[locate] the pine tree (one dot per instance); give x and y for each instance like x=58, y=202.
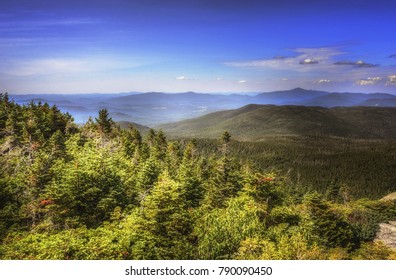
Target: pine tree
x=148, y=174
x=131, y=141
x=104, y=122
x=161, y=144
x=331, y=229
x=189, y=178
x=225, y=179
x=225, y=138
x=168, y=221
x=221, y=230
x=150, y=139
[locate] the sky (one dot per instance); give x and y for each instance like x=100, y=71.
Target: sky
x=101, y=46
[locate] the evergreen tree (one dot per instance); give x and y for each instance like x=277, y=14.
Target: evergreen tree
x=104, y=122
x=148, y=174
x=161, y=145
x=226, y=137
x=220, y=231
x=151, y=136
x=188, y=176
x=167, y=221
x=332, y=230
x=131, y=141
x=225, y=179
x=86, y=189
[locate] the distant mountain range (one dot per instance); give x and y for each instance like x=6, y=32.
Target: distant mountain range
x=255, y=122
x=154, y=108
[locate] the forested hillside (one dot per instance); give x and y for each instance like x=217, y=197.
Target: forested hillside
x=98, y=191
x=315, y=146
x=366, y=167
x=256, y=122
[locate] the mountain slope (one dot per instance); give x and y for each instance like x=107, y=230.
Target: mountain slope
x=350, y=99
x=254, y=122
x=294, y=96
x=142, y=128
x=386, y=102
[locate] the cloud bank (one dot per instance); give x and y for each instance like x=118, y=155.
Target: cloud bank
x=359, y=63
x=304, y=60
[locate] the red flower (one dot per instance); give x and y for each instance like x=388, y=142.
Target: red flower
x=266, y=179
x=46, y=202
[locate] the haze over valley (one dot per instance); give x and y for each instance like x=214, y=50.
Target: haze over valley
x=155, y=108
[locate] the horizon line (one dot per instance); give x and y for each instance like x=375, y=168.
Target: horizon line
x=195, y=92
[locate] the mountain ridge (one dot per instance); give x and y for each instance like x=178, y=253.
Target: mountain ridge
x=254, y=122
x=154, y=108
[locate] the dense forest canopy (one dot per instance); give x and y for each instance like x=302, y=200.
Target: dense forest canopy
x=97, y=191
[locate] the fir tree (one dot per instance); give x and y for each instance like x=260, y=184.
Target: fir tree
x=104, y=122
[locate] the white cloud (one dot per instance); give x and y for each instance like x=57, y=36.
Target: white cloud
x=376, y=79
x=42, y=67
x=369, y=81
x=359, y=63
x=364, y=82
x=183, y=78
x=62, y=66
x=242, y=82
x=309, y=61
x=306, y=59
x=323, y=67
x=324, y=81
x=391, y=81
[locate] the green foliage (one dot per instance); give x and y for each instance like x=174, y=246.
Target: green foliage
x=148, y=174
x=325, y=223
x=87, y=187
x=108, y=242
x=189, y=176
x=257, y=122
x=374, y=251
x=104, y=122
x=366, y=215
x=131, y=141
x=363, y=168
x=166, y=221
x=226, y=137
x=225, y=178
x=102, y=192
x=289, y=246
x=221, y=230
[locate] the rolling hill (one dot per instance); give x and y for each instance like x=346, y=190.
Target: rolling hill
x=142, y=129
x=254, y=122
x=154, y=108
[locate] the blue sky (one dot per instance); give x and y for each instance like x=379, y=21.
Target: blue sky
x=197, y=45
